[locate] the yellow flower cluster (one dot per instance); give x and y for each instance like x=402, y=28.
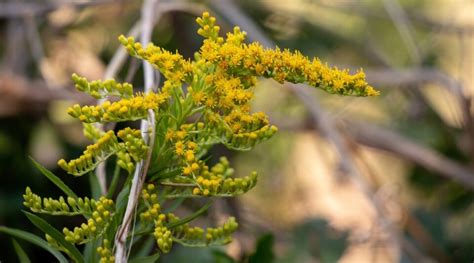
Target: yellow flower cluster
x=218, y=181
x=105, y=252
x=150, y=197
x=182, y=233
x=218, y=186
x=96, y=224
x=173, y=66
x=48, y=205
x=134, y=143
x=184, y=146
x=130, y=151
x=238, y=59
x=93, y=155
x=61, y=206
x=131, y=109
x=198, y=237
x=92, y=132
x=208, y=28
x=246, y=129
x=163, y=235
x=124, y=160
x=101, y=89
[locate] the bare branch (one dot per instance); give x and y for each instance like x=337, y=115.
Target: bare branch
x=418, y=18
x=142, y=167
x=420, y=75
x=19, y=9
x=383, y=139
x=413, y=76
x=403, y=25
x=19, y=95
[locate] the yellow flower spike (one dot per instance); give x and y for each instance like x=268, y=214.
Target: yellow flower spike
x=93, y=155
x=101, y=89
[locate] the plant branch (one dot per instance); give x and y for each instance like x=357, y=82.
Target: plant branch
x=403, y=25
x=142, y=167
x=389, y=141
x=18, y=9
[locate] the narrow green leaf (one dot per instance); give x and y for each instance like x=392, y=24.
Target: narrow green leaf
x=34, y=240
x=90, y=251
x=95, y=187
x=55, y=234
x=264, y=251
x=221, y=257
x=146, y=247
x=175, y=204
x=191, y=217
x=22, y=256
x=182, y=221
x=150, y=259
x=54, y=179
x=179, y=109
x=120, y=206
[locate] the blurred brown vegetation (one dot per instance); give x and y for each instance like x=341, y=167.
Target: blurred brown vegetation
x=387, y=179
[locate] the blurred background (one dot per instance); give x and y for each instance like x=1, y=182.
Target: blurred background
x=385, y=179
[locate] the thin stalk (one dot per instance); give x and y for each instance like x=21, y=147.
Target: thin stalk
x=142, y=167
x=114, y=182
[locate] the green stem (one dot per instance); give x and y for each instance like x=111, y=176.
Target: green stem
x=114, y=182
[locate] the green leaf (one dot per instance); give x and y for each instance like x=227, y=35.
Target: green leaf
x=53, y=178
x=90, y=251
x=174, y=205
x=34, y=240
x=22, y=256
x=264, y=251
x=164, y=175
x=150, y=259
x=95, y=187
x=56, y=235
x=179, y=108
x=145, y=247
x=182, y=221
x=121, y=204
x=222, y=257
x=191, y=217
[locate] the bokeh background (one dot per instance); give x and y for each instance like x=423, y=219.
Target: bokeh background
x=385, y=179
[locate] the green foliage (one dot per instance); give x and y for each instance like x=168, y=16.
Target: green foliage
x=264, y=250
x=54, y=179
x=55, y=238
x=315, y=240
x=34, y=240
x=22, y=256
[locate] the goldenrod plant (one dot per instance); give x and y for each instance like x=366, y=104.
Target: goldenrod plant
x=202, y=102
